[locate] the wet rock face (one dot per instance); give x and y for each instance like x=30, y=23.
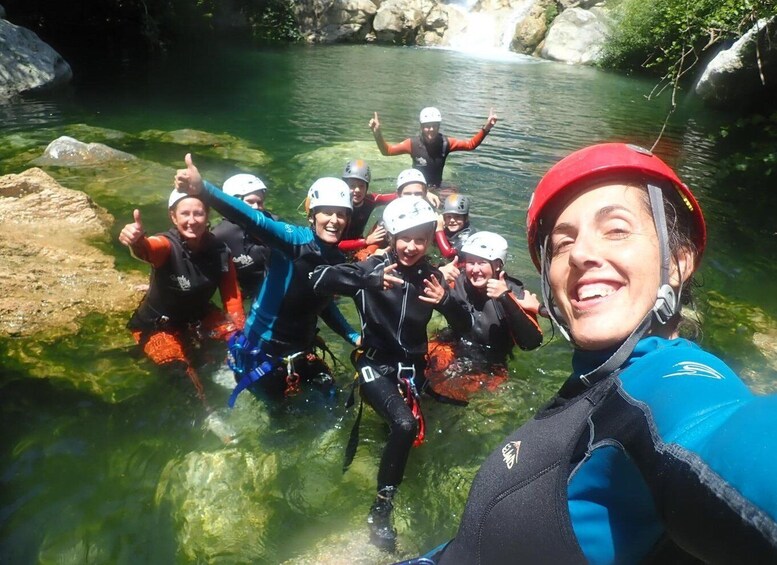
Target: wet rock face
x=28, y=64
x=745, y=72
x=577, y=36
x=51, y=274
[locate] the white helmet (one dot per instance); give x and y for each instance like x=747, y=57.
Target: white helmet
x=430, y=115
x=407, y=213
x=409, y=176
x=176, y=196
x=242, y=185
x=486, y=245
x=329, y=191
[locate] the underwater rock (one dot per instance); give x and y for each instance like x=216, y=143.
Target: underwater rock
x=213, y=499
x=66, y=151
x=51, y=275
x=206, y=144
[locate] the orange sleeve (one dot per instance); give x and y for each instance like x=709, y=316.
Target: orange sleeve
x=154, y=250
x=391, y=150
x=231, y=297
x=468, y=145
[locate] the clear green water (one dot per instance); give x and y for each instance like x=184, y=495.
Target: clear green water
x=104, y=460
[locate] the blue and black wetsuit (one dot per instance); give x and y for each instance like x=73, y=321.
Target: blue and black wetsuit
x=670, y=460
x=283, y=317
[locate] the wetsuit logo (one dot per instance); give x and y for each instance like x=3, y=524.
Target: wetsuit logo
x=243, y=259
x=420, y=161
x=693, y=369
x=510, y=453
x=183, y=282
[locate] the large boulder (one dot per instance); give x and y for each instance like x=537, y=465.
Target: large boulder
x=531, y=29
x=329, y=21
x=577, y=36
x=66, y=151
x=27, y=64
x=400, y=21
x=52, y=274
x=744, y=73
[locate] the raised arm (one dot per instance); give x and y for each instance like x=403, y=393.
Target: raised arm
x=154, y=249
x=348, y=278
x=475, y=140
x=255, y=222
x=386, y=149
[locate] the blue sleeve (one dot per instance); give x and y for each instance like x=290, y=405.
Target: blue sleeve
x=335, y=320
x=273, y=232
x=706, y=420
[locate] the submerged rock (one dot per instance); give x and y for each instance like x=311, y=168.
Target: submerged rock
x=66, y=151
x=51, y=275
x=215, y=505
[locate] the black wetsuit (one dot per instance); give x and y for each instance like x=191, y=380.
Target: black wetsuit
x=180, y=290
x=669, y=460
x=249, y=254
x=393, y=332
x=498, y=323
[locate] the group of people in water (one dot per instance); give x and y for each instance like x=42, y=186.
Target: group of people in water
x=640, y=456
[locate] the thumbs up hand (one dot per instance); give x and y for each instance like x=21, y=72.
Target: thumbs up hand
x=132, y=233
x=189, y=180
x=496, y=287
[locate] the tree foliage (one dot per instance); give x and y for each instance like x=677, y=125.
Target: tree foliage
x=153, y=23
x=669, y=37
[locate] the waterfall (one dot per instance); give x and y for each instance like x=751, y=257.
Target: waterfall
x=488, y=32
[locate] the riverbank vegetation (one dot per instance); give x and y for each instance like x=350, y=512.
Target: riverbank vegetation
x=152, y=24
x=669, y=37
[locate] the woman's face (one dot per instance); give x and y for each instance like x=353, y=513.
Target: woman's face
x=329, y=223
x=190, y=217
x=411, y=245
x=478, y=271
x=604, y=270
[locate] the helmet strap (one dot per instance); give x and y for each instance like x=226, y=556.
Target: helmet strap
x=667, y=304
x=547, y=295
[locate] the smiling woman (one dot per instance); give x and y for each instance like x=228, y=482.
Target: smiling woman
x=653, y=450
x=277, y=349
x=188, y=265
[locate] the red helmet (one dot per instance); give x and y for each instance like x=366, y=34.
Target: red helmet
x=606, y=160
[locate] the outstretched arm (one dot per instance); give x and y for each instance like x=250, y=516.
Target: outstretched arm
x=475, y=140
x=255, y=222
x=350, y=278
x=334, y=318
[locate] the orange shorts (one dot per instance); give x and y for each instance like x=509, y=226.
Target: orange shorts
x=455, y=378
x=168, y=345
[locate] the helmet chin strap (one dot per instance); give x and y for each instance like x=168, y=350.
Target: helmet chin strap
x=665, y=307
